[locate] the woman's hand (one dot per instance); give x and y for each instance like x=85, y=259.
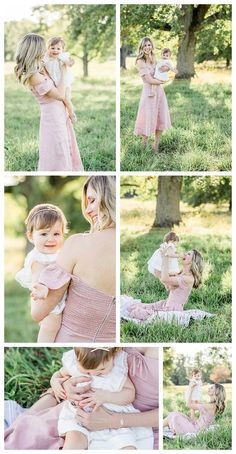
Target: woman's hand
x=56, y=384
x=98, y=420
x=75, y=393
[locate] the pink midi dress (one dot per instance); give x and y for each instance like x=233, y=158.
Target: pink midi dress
x=153, y=113
x=89, y=314
x=181, y=424
x=58, y=149
x=38, y=429
x=144, y=374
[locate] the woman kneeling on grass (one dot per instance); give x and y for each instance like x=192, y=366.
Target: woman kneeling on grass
x=180, y=424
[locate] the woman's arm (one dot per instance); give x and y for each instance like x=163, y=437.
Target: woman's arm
x=171, y=280
x=147, y=77
x=105, y=419
x=57, y=93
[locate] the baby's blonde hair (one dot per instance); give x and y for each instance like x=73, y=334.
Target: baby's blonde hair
x=55, y=40
x=171, y=236
x=90, y=358
x=44, y=216
x=29, y=53
x=105, y=188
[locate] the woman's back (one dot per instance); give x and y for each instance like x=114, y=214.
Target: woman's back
x=94, y=259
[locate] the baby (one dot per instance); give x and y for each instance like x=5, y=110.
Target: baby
x=45, y=228
x=194, y=393
x=53, y=61
x=169, y=245
x=164, y=61
x=110, y=387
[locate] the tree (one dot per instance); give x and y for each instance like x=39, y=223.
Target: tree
x=179, y=374
x=168, y=201
x=185, y=21
x=94, y=26
x=198, y=190
x=168, y=364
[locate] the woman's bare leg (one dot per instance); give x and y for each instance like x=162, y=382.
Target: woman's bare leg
x=157, y=140
x=46, y=401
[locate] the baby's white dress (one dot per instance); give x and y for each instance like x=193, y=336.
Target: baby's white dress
x=139, y=437
x=196, y=392
x=24, y=276
x=155, y=262
x=163, y=76
x=53, y=67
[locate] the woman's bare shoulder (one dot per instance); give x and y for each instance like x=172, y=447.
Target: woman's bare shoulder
x=36, y=79
x=188, y=279
x=141, y=63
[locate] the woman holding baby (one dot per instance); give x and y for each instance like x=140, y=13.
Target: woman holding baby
x=153, y=113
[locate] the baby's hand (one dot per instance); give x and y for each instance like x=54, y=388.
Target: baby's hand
x=94, y=399
x=39, y=291
x=56, y=384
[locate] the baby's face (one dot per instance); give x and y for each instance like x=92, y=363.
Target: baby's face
x=55, y=51
x=197, y=376
x=102, y=369
x=166, y=55
x=48, y=240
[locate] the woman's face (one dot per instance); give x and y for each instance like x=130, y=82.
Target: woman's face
x=211, y=390
x=187, y=258
x=92, y=208
x=147, y=48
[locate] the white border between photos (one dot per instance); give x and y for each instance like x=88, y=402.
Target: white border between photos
x=13, y=4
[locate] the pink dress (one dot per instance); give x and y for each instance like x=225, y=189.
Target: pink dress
x=58, y=149
x=144, y=373
x=38, y=429
x=176, y=300
x=89, y=314
x=153, y=113
x=181, y=424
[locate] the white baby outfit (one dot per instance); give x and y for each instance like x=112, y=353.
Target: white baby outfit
x=24, y=276
x=196, y=392
x=139, y=437
x=53, y=67
x=163, y=76
x=155, y=262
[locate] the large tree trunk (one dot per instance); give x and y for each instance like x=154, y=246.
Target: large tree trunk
x=123, y=55
x=187, y=44
x=168, y=202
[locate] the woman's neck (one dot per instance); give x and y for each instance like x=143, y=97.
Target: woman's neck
x=186, y=269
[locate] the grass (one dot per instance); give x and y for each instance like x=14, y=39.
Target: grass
x=94, y=101
x=207, y=230
x=200, y=110
x=217, y=439
x=28, y=372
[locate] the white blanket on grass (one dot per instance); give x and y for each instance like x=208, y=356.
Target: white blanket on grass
x=167, y=433
x=181, y=318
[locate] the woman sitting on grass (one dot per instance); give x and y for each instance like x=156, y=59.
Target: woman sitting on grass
x=180, y=286
x=180, y=424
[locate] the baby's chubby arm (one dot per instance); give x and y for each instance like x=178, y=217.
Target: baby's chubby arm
x=56, y=383
x=39, y=291
x=101, y=396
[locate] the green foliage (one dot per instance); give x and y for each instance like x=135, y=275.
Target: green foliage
x=203, y=231
x=168, y=363
x=200, y=190
x=28, y=372
x=200, y=138
x=220, y=438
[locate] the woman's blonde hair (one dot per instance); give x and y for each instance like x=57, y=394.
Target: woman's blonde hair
x=105, y=188
x=44, y=216
x=197, y=268
x=29, y=53
x=141, y=55
x=220, y=398
x=90, y=358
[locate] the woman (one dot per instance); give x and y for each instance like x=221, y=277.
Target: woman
x=181, y=424
x=153, y=114
x=86, y=266
x=37, y=428
x=58, y=148
x=180, y=286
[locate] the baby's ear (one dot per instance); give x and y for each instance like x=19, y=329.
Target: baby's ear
x=29, y=237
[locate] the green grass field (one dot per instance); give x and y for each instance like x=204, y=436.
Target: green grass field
x=206, y=230
x=94, y=101
x=200, y=110
x=218, y=439
x=28, y=372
